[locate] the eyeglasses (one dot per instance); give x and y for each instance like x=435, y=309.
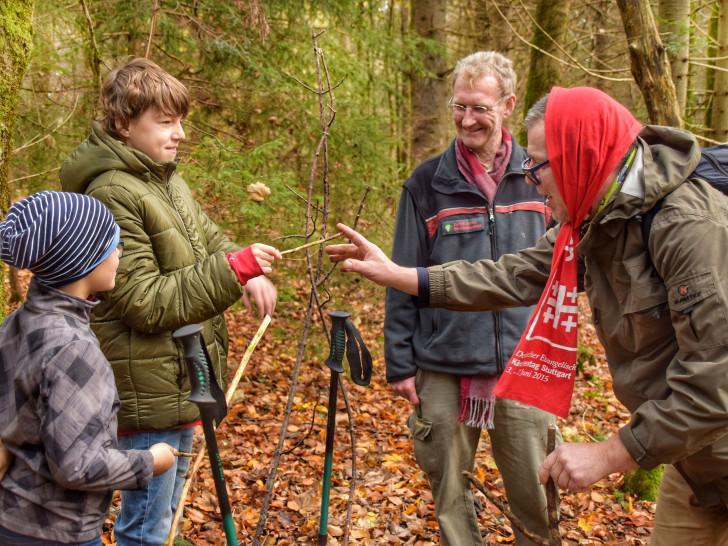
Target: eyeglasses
x=530, y=172
x=120, y=248
x=476, y=111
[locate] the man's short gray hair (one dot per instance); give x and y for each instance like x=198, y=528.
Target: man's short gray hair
x=487, y=63
x=537, y=112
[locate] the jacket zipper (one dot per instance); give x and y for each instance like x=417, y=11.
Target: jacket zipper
x=496, y=314
x=171, y=200
x=220, y=358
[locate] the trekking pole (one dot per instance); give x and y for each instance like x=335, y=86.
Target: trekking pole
x=228, y=399
x=203, y=393
x=361, y=371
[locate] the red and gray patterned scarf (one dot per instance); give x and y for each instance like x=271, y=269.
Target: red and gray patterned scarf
x=477, y=396
x=587, y=133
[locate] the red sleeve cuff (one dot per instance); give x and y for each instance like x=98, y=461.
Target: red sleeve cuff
x=245, y=265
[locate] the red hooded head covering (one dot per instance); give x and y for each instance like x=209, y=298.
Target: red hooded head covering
x=587, y=133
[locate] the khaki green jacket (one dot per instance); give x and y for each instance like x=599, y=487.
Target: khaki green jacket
x=173, y=272
x=664, y=328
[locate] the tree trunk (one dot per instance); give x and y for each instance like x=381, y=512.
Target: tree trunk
x=492, y=32
x=711, y=53
x=545, y=71
x=431, y=91
x=14, y=295
x=16, y=32
x=675, y=30
x=649, y=63
x=600, y=40
x=720, y=85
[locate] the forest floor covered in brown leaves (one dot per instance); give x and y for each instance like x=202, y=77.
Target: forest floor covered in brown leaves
x=391, y=501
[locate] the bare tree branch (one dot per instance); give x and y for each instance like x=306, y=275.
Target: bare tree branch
x=95, y=55
x=37, y=139
x=155, y=10
x=576, y=63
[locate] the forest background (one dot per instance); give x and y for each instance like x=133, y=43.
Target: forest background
x=309, y=113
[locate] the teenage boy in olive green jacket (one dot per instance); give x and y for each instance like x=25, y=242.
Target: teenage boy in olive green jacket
x=178, y=268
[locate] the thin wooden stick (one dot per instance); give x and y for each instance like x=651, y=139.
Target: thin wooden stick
x=319, y=242
x=183, y=454
x=551, y=502
x=201, y=453
x=181, y=506
x=554, y=538
x=503, y=507
x=246, y=358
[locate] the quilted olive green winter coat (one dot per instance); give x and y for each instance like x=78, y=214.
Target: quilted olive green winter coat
x=173, y=272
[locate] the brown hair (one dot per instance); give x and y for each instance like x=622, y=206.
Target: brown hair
x=137, y=85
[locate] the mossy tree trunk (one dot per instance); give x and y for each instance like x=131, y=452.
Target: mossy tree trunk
x=552, y=21
x=711, y=53
x=600, y=41
x=430, y=90
x=719, y=121
x=16, y=33
x=649, y=63
x=491, y=30
x=675, y=31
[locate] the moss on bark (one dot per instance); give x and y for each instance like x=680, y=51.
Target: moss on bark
x=16, y=32
x=643, y=483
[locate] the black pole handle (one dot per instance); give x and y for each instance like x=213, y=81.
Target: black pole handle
x=197, y=369
x=338, y=341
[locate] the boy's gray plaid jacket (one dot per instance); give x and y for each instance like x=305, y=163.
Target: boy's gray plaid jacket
x=58, y=405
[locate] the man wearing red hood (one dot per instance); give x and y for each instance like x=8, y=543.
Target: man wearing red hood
x=660, y=312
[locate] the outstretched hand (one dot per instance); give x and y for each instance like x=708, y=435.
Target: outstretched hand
x=367, y=259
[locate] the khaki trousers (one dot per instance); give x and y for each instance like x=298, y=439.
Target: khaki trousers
x=443, y=447
x=679, y=521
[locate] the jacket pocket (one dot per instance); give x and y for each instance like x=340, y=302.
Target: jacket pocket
x=424, y=445
x=419, y=428
x=646, y=318
x=698, y=312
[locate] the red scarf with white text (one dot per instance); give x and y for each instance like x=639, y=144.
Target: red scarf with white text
x=587, y=133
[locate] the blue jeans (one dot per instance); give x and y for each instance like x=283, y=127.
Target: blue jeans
x=146, y=514
x=9, y=538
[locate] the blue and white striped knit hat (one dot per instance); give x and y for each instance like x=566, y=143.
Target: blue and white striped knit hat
x=58, y=236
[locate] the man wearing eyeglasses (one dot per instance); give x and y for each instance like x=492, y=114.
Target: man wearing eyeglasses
x=658, y=299
x=469, y=203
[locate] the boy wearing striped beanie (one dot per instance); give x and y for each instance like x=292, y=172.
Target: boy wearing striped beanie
x=58, y=400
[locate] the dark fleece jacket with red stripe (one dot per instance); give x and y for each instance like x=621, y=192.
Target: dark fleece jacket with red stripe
x=442, y=218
